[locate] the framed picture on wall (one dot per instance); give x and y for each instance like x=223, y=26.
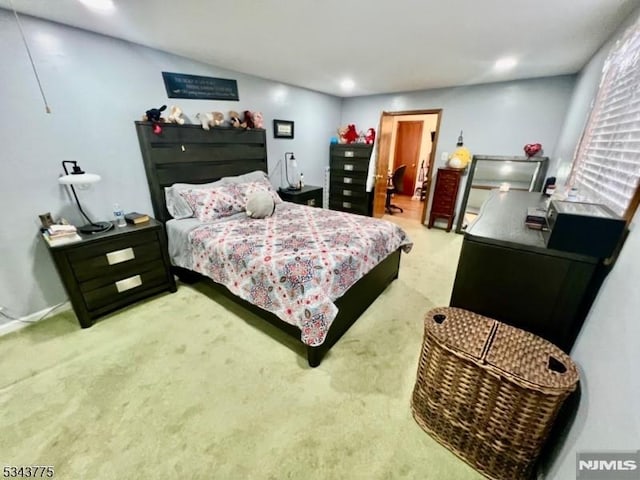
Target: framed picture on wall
x=283, y=129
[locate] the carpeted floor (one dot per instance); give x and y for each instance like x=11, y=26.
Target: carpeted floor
x=188, y=385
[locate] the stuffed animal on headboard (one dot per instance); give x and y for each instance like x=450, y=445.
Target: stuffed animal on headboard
x=248, y=119
x=258, y=121
x=176, y=115
x=234, y=119
x=154, y=115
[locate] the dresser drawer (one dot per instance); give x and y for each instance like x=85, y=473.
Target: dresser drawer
x=120, y=288
x=114, y=256
x=349, y=179
x=349, y=193
x=359, y=208
x=357, y=151
x=349, y=165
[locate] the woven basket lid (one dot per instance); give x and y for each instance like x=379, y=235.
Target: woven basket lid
x=459, y=329
x=531, y=359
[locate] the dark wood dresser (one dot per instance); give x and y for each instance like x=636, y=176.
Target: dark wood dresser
x=308, y=195
x=107, y=271
x=506, y=272
x=445, y=195
x=348, y=169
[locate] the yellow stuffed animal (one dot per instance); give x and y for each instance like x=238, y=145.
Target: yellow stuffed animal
x=461, y=156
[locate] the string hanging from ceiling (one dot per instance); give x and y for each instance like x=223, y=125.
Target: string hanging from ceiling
x=33, y=65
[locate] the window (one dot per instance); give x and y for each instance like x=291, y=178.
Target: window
x=606, y=166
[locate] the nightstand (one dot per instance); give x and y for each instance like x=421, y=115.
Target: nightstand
x=309, y=195
x=106, y=271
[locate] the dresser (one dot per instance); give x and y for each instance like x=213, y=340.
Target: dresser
x=348, y=169
x=506, y=272
x=107, y=271
x=307, y=195
x=445, y=195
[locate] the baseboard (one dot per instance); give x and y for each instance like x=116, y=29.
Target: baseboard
x=32, y=318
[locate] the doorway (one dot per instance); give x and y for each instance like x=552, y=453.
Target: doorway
x=404, y=161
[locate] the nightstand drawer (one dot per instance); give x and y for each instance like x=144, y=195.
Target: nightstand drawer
x=119, y=288
x=117, y=274
x=116, y=261
x=106, y=257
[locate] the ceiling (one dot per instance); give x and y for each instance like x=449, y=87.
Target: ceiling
x=383, y=46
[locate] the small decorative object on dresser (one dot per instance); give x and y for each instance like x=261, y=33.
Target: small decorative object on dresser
x=102, y=273
x=307, y=195
x=445, y=195
x=348, y=169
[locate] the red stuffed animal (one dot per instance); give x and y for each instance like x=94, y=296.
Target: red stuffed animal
x=352, y=134
x=370, y=137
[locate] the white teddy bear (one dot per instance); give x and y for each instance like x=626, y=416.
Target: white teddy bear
x=176, y=115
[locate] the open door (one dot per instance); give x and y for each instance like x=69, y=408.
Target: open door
x=382, y=163
x=383, y=153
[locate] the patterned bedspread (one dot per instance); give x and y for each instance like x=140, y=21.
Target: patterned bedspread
x=296, y=263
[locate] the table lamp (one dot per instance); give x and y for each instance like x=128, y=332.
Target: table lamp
x=289, y=156
x=79, y=177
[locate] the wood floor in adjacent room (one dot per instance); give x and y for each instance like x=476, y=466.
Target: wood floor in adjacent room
x=411, y=206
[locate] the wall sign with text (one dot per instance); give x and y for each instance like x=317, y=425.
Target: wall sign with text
x=181, y=85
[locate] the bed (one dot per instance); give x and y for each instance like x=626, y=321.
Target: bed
x=188, y=154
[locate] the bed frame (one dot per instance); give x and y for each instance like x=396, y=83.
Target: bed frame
x=189, y=154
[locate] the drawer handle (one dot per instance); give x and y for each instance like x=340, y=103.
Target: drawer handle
x=347, y=193
x=311, y=202
x=128, y=283
x=347, y=180
x=348, y=167
x=119, y=256
x=348, y=153
x=346, y=204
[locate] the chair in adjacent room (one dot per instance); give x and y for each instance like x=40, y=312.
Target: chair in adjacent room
x=394, y=187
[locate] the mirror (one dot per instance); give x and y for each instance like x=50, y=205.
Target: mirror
x=488, y=172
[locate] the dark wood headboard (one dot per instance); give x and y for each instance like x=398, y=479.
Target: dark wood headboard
x=190, y=154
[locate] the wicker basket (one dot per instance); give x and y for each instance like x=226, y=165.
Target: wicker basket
x=488, y=391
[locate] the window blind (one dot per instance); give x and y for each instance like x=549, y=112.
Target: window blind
x=606, y=166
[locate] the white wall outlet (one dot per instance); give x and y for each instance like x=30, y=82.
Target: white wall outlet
x=444, y=156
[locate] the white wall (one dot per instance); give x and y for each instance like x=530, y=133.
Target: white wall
x=97, y=87
x=606, y=351
x=497, y=119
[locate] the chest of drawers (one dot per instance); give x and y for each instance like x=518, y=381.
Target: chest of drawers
x=445, y=195
x=107, y=271
x=348, y=169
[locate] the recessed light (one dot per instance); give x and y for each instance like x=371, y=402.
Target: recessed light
x=505, y=63
x=347, y=84
x=103, y=6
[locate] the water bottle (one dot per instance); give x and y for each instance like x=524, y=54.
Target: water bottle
x=118, y=215
x=301, y=181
